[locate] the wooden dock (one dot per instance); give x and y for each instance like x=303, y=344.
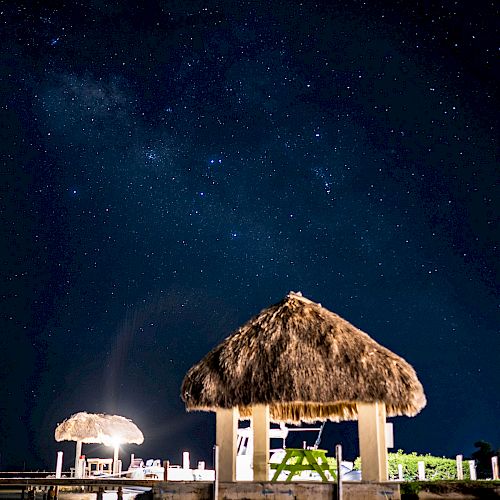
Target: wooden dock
x=49, y=487
x=94, y=489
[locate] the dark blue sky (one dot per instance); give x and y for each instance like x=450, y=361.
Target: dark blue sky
x=171, y=169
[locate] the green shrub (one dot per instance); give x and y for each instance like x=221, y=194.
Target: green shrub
x=436, y=468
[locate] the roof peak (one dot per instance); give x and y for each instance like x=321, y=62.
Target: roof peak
x=299, y=296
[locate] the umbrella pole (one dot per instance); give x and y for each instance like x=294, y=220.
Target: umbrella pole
x=115, y=459
x=77, y=459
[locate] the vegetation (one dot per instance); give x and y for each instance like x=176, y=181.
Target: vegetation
x=436, y=468
x=457, y=489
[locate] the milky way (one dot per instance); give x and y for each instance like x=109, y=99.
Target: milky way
x=170, y=170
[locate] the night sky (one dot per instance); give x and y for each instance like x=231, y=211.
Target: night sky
x=171, y=168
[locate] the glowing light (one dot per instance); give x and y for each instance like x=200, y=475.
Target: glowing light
x=115, y=441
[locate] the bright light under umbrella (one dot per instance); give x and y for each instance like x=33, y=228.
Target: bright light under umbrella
x=110, y=430
x=115, y=442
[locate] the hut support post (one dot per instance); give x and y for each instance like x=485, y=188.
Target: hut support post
x=260, y=415
x=226, y=429
x=372, y=441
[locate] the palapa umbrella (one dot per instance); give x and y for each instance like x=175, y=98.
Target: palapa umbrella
x=305, y=363
x=110, y=430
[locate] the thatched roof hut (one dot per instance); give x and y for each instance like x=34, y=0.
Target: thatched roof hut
x=306, y=363
x=298, y=362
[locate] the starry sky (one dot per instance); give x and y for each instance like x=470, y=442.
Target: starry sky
x=171, y=168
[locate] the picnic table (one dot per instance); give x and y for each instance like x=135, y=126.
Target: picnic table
x=311, y=460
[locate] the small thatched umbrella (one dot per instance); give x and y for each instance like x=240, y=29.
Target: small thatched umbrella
x=304, y=363
x=110, y=430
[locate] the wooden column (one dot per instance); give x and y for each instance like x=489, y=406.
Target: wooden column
x=226, y=428
x=382, y=449
x=372, y=442
x=260, y=423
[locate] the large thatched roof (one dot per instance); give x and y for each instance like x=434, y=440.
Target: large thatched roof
x=98, y=428
x=306, y=363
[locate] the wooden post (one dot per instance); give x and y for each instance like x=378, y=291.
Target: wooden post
x=494, y=468
x=372, y=442
x=382, y=440
x=226, y=439
x=400, y=472
x=421, y=470
x=338, y=458
x=166, y=465
x=472, y=468
x=186, y=462
x=460, y=467
x=260, y=424
x=59, y=464
x=216, y=470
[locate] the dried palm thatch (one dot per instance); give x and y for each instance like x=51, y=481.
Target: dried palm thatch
x=306, y=363
x=98, y=428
